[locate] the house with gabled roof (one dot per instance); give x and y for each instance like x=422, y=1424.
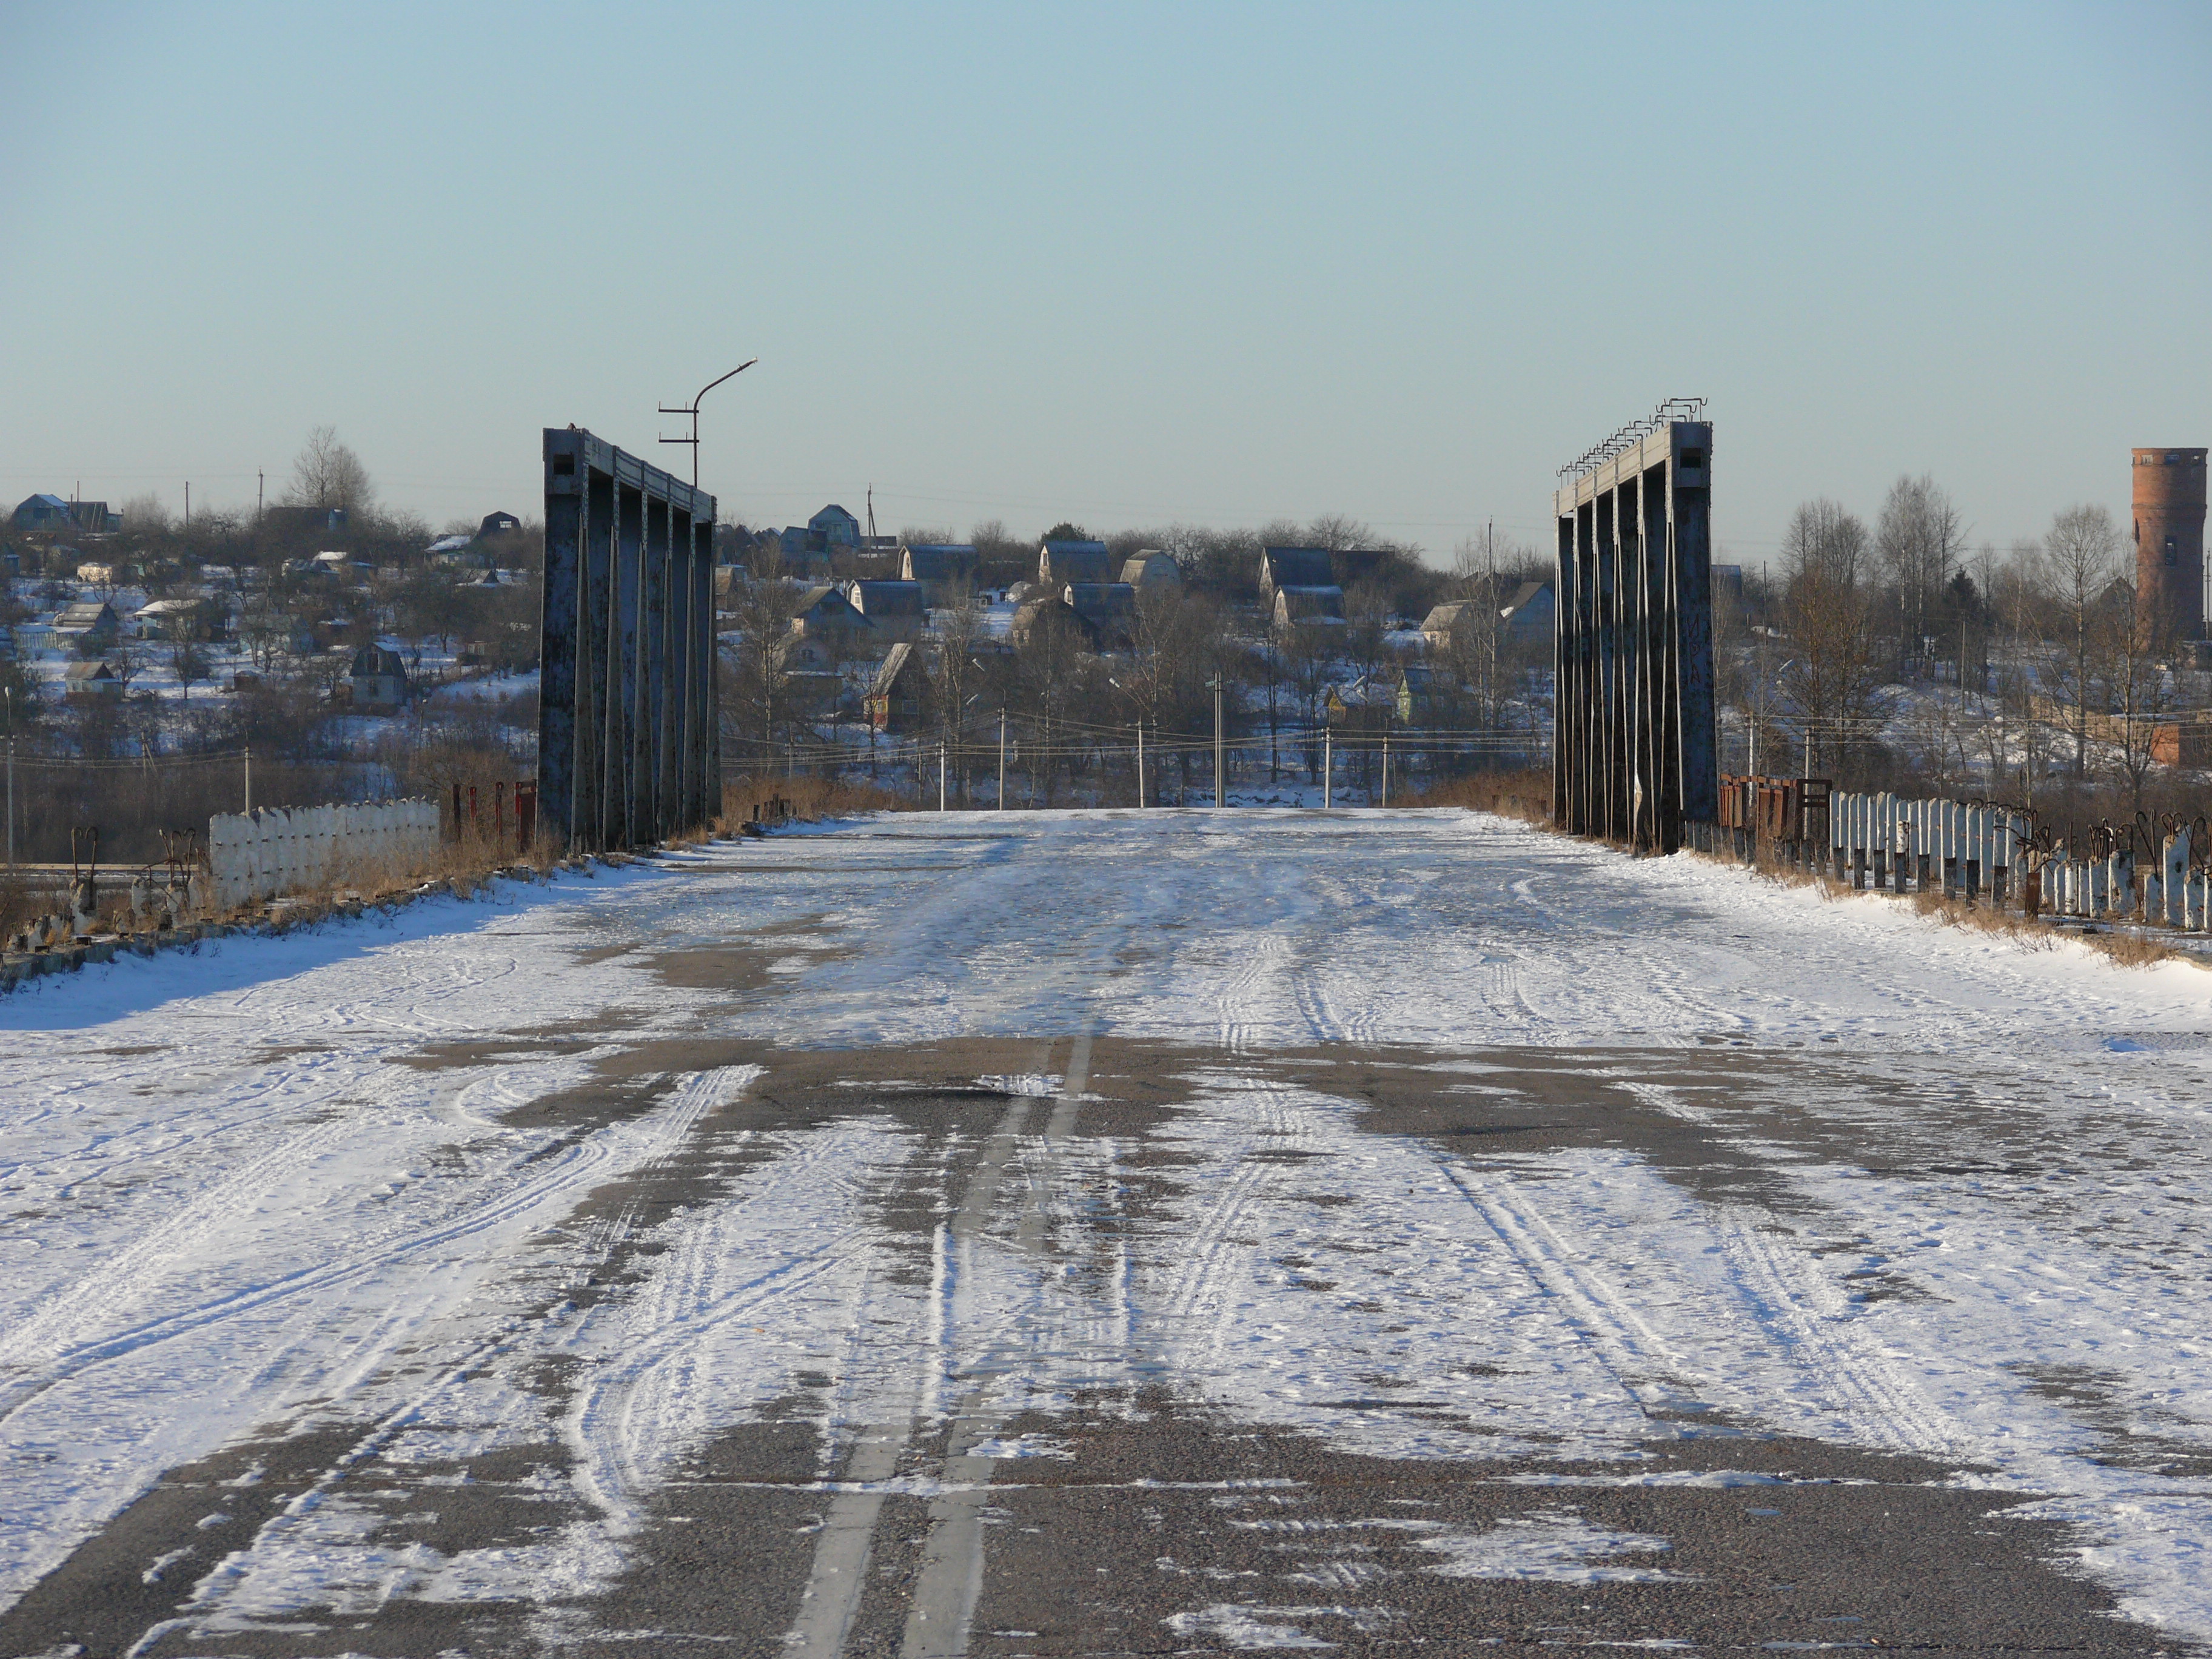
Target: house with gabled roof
x=898, y=694
x=1107, y=609
x=42, y=512
x=1150, y=567
x=95, y=678
x=823, y=611
x=88, y=625
x=894, y=609
x=1293, y=567
x=1061, y=562
x=1308, y=607
x=947, y=570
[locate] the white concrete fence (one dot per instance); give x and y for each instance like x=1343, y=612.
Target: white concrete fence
x=269, y=853
x=1973, y=850
x=1951, y=846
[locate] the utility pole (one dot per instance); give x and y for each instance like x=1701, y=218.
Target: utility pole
x=692, y=410
x=1000, y=805
x=1328, y=766
x=10, y=695
x=1140, y=765
x=1386, y=766
x=260, y=490
x=940, y=774
x=249, y=777
x=1220, y=777
x=188, y=503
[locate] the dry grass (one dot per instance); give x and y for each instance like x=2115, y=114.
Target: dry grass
x=1524, y=795
x=808, y=798
x=2126, y=948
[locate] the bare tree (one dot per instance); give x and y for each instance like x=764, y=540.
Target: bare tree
x=1830, y=679
x=1921, y=538
x=2137, y=635
x=2080, y=562
x=325, y=473
x=953, y=673
x=144, y=514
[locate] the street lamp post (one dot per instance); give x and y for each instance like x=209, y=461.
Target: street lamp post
x=1220, y=778
x=692, y=410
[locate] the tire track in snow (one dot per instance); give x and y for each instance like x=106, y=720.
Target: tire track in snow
x=698, y=1094
x=1641, y=1360
x=1878, y=1403
x=574, y=1166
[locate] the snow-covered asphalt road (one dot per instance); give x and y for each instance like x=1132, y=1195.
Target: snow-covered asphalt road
x=1109, y=1232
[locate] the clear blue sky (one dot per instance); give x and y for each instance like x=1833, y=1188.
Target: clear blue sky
x=1121, y=263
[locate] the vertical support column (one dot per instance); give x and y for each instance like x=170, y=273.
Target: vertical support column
x=1589, y=681
x=706, y=727
x=1614, y=762
x=560, y=632
x=1690, y=517
x=653, y=672
x=623, y=667
x=1566, y=639
x=587, y=817
x=677, y=785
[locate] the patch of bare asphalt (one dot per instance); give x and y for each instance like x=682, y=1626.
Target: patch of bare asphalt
x=1164, y=1526
x=1164, y=1529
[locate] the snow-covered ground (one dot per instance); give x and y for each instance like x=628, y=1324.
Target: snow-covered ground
x=257, y=1189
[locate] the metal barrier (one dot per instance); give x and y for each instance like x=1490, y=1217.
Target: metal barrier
x=626, y=743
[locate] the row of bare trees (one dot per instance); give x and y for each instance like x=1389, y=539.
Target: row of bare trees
x=1900, y=650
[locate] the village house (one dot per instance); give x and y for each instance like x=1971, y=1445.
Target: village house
x=947, y=570
x=1152, y=569
x=1041, y=619
x=825, y=613
x=895, y=698
x=894, y=609
x=42, y=513
x=1308, y=607
x=90, y=625
x=1451, y=622
x=84, y=682
x=1109, y=609
x=1528, y=612
x=1295, y=567
x=1061, y=562
x=377, y=678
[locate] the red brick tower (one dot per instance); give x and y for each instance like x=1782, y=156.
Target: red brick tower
x=2169, y=533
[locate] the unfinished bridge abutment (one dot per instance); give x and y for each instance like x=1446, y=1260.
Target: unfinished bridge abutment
x=1633, y=757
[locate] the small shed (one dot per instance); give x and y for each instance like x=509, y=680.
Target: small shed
x=95, y=678
x=377, y=678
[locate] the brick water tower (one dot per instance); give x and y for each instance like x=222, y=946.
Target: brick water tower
x=2169, y=533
